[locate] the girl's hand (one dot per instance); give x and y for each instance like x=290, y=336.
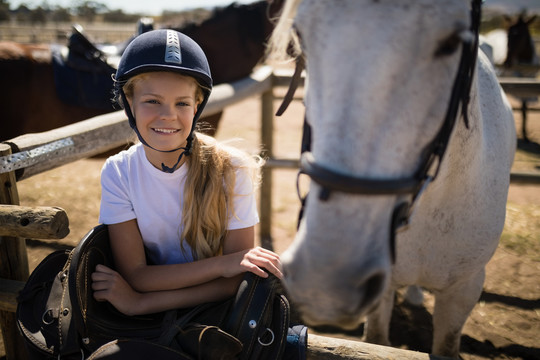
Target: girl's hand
x=255, y=260
x=109, y=285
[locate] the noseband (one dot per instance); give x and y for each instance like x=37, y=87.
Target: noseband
x=331, y=180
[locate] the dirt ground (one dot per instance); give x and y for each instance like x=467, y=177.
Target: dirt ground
x=505, y=324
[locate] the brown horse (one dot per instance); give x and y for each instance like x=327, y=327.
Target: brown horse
x=233, y=38
x=521, y=48
x=29, y=102
x=521, y=51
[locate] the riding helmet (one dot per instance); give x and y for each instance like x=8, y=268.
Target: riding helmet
x=165, y=50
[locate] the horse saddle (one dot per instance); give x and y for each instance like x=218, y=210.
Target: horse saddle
x=59, y=317
x=83, y=72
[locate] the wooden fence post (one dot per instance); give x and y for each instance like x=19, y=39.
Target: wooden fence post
x=328, y=348
x=267, y=141
x=13, y=264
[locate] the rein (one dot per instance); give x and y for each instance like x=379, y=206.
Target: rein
x=332, y=180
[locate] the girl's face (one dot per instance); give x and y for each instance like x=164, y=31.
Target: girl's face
x=164, y=104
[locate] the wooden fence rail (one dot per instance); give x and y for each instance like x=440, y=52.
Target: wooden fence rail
x=41, y=222
x=59, y=32
x=32, y=154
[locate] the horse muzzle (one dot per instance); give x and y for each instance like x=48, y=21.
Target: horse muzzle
x=332, y=292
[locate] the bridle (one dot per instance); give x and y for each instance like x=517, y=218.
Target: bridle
x=432, y=155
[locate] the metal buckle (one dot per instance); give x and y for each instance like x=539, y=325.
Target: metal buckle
x=48, y=313
x=272, y=338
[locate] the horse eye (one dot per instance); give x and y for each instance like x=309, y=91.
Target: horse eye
x=449, y=45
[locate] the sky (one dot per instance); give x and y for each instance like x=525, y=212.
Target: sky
x=144, y=7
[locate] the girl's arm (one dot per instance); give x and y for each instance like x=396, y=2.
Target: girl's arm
x=141, y=289
x=238, y=256
x=109, y=285
x=130, y=261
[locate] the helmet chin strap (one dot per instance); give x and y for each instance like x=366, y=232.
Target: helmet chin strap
x=187, y=152
x=167, y=169
x=187, y=149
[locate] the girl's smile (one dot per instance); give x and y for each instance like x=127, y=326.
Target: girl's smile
x=166, y=131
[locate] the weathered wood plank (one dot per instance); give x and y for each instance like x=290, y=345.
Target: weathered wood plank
x=224, y=95
x=327, y=348
x=40, y=222
x=83, y=139
x=525, y=177
x=520, y=87
x=267, y=142
x=13, y=263
x=9, y=289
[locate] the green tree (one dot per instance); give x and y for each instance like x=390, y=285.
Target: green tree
x=23, y=13
x=61, y=14
x=119, y=16
x=4, y=10
x=38, y=15
x=89, y=9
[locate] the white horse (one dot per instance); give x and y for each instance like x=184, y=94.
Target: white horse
x=380, y=74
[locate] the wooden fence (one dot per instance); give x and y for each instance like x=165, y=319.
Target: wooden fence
x=59, y=32
x=32, y=154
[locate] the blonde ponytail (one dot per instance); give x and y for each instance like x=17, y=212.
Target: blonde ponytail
x=208, y=193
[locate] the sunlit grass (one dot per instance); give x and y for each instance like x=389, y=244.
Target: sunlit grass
x=521, y=232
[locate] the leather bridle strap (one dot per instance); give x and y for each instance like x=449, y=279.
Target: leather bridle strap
x=333, y=180
x=295, y=81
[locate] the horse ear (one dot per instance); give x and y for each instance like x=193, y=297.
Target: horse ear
x=274, y=9
x=276, y=3
x=531, y=20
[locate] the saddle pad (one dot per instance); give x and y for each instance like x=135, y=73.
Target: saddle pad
x=82, y=82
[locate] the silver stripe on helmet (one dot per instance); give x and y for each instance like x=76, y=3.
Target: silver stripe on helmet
x=172, y=50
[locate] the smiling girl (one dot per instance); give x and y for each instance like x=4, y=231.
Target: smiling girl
x=180, y=207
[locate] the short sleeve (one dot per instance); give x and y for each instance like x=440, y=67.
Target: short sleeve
x=116, y=206
x=245, y=212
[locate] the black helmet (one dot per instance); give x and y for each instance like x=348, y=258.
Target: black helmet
x=164, y=50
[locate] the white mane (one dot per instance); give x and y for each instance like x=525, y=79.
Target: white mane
x=284, y=34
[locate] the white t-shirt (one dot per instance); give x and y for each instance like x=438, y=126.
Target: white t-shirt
x=132, y=188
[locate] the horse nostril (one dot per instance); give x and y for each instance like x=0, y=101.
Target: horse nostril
x=372, y=288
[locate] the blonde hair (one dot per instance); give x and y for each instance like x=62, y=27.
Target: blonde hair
x=209, y=192
x=209, y=187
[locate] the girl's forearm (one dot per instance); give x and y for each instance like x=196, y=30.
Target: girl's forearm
x=156, y=301
x=151, y=278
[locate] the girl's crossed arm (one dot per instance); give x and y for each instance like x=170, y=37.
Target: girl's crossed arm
x=139, y=288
